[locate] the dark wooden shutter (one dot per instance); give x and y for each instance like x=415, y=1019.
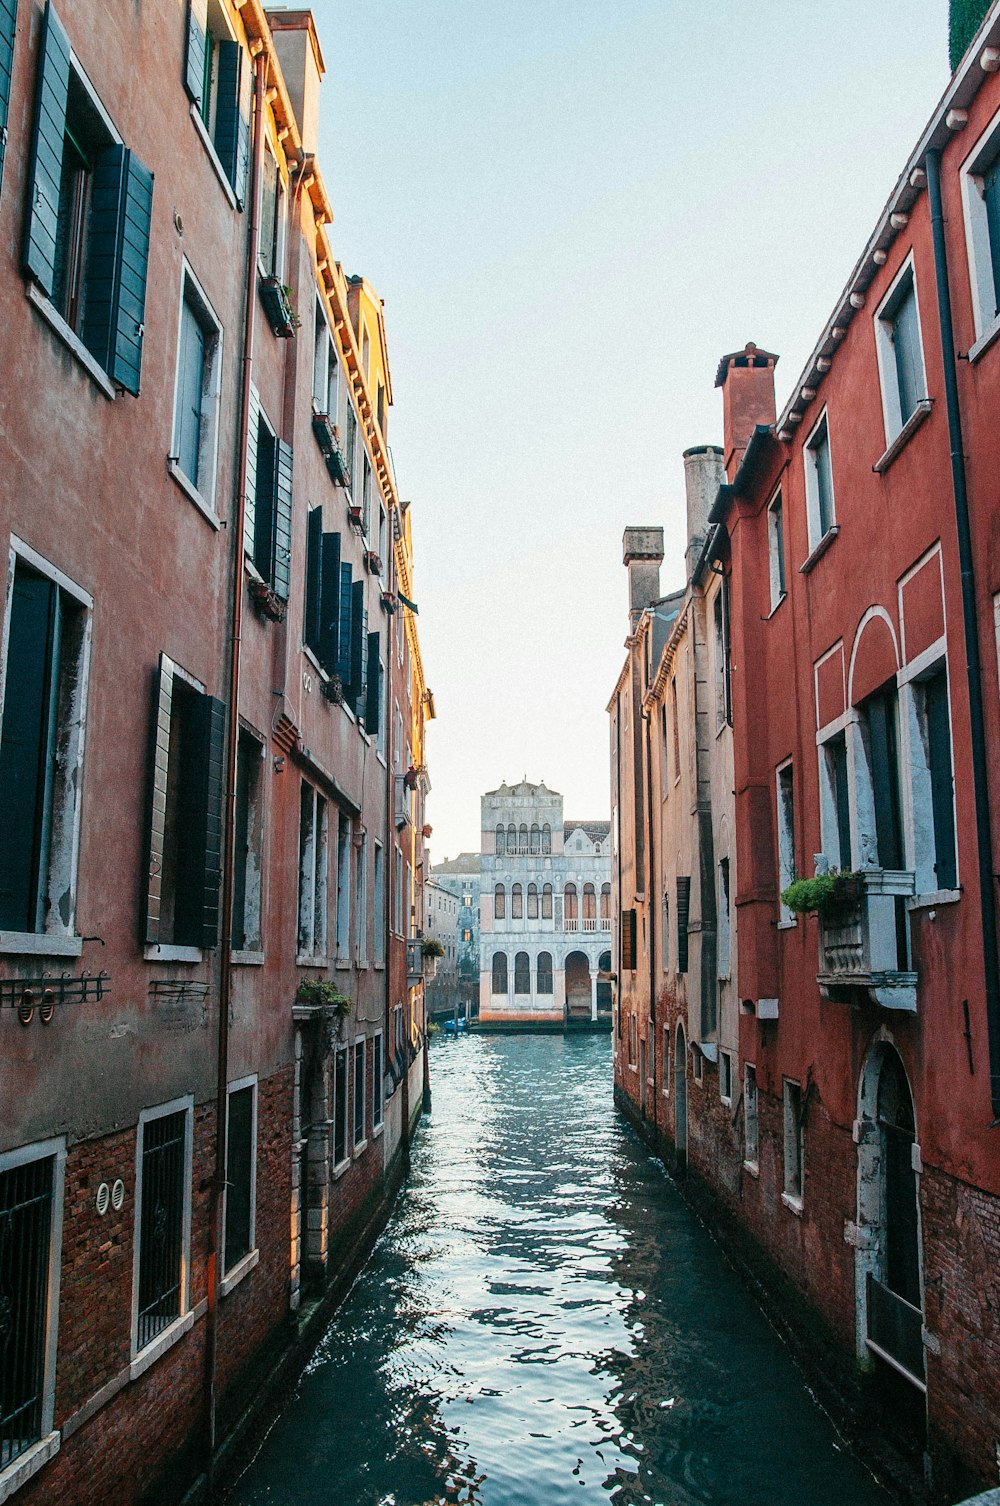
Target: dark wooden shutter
x=163, y=687
x=683, y=916
x=942, y=781
x=209, y=738
x=232, y=119
x=373, y=697
x=120, y=214
x=359, y=647
x=250, y=500
x=329, y=628
x=881, y=717
x=344, y=631
x=194, y=60
x=314, y=579
x=46, y=168
x=282, y=576
x=8, y=19
x=26, y=743
x=628, y=941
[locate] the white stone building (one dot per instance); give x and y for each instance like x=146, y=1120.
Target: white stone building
x=545, y=911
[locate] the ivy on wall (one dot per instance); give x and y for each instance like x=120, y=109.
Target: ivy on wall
x=964, y=19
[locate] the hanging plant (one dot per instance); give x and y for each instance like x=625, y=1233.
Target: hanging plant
x=323, y=993
x=430, y=946
x=832, y=896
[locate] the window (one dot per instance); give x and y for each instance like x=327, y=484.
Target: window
x=361, y=899
x=981, y=195
x=835, y=807
x=366, y=494
x=184, y=831
x=881, y=745
x=900, y=355
x=720, y=619
x=196, y=391
x=785, y=787
x=570, y=908
x=501, y=841
x=535, y=839
x=628, y=941
x=359, y=1094
x=379, y=887
x=397, y=891
x=725, y=1077
x=522, y=973
x=546, y=901
x=378, y=1080
x=516, y=902
x=89, y=210
x=544, y=973
x=312, y=873
x=751, y=1151
x=499, y=972
x=666, y=932
x=724, y=947
x=340, y=1106
x=351, y=444
x=522, y=840
x=675, y=730
x=666, y=1061
x=511, y=840
x=819, y=483
x=249, y=844
x=268, y=502
x=344, y=887
x=31, y=1200
x=217, y=76
x=932, y=784
x=683, y=912
x=499, y=902
x=271, y=245
x=532, y=901
x=8, y=18
x=241, y=1173
x=793, y=1140
x=589, y=908
x=605, y=907
x=163, y=1219
x=326, y=371
x=546, y=838
x=41, y=749
x=776, y=549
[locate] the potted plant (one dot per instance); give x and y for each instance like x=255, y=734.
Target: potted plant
x=355, y=515
x=268, y=603
x=276, y=297
x=325, y=433
x=373, y=562
x=335, y=462
x=389, y=602
x=832, y=896
x=431, y=949
x=332, y=690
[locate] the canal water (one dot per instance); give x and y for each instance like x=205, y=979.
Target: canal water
x=543, y=1322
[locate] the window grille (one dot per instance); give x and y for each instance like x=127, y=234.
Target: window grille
x=161, y=1225
x=25, y=1231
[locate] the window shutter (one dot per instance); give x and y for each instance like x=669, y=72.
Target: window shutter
x=372, y=695
x=194, y=63
x=46, y=167
x=628, y=941
x=232, y=122
x=206, y=801
x=329, y=627
x=282, y=577
x=683, y=915
x=163, y=688
x=121, y=209
x=344, y=632
x=250, y=501
x=8, y=17
x=314, y=579
x=991, y=195
x=359, y=647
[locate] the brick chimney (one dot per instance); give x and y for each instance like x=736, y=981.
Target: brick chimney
x=747, y=382
x=703, y=475
x=302, y=67
x=642, y=553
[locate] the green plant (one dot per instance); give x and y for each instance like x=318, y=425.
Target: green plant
x=828, y=894
x=431, y=947
x=293, y=317
x=324, y=994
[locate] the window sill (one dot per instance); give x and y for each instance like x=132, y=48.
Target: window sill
x=192, y=493
x=793, y=1204
x=164, y=1341
x=377, y=1131
x=40, y=944
x=29, y=1463
x=901, y=440
x=819, y=549
x=213, y=156
x=379, y=967
x=933, y=899
x=776, y=604
x=242, y=1268
x=340, y=1168
x=247, y=959
x=310, y=962
x=986, y=339
x=362, y=966
x=311, y=656
x=172, y=953
x=359, y=1150
x=71, y=340
x=342, y=965
x=752, y=1167
x=786, y=925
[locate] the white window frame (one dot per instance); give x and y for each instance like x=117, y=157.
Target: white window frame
x=667, y=1033
x=977, y=238
x=200, y=489
x=314, y=882
x=247, y=1262
x=326, y=360
x=362, y=1042
x=915, y=774
x=884, y=323
x=360, y=866
x=378, y=1085
x=785, y=831
x=378, y=886
x=812, y=483
x=724, y=949
x=726, y=1071
x=59, y=939
x=793, y=1136
x=751, y=1119
x=141, y=1359
x=777, y=558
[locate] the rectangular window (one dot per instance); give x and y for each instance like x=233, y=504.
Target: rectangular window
x=724, y=948
x=163, y=1220
x=675, y=730
x=248, y=865
x=666, y=932
x=628, y=941
x=41, y=750
x=271, y=246
x=217, y=76
x=980, y=178
x=351, y=445
x=785, y=792
x=378, y=1080
x=725, y=1077
x=8, y=19
x=268, y=502
x=344, y=830
x=197, y=391
x=683, y=914
x=313, y=873
x=325, y=368
x=819, y=483
x=359, y=1093
x=241, y=1173
x=397, y=892
x=340, y=1106
x=379, y=896
x=793, y=1140
x=720, y=618
x=666, y=1061
x=932, y=783
x=776, y=550
x=751, y=1151
x=366, y=495
x=881, y=744
x=900, y=354
x=836, y=805
x=361, y=899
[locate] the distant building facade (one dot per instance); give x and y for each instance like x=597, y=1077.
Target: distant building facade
x=461, y=877
x=441, y=909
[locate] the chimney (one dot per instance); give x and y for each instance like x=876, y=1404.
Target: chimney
x=643, y=555
x=703, y=475
x=302, y=67
x=747, y=382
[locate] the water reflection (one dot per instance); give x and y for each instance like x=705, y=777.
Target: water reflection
x=545, y=1322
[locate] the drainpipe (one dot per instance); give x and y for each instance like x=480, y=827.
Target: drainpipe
x=652, y=908
x=959, y=480
x=237, y=531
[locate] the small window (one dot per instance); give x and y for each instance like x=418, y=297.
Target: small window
x=532, y=901
x=511, y=840
x=268, y=502
x=785, y=787
x=313, y=819
x=835, y=804
x=501, y=841
x=516, y=902
x=666, y=932
x=248, y=863
x=628, y=941
x=793, y=1140
x=378, y=1080
x=499, y=972
x=241, y=1173
x=522, y=973
x=683, y=914
x=546, y=838
x=900, y=354
x=499, y=902
x=270, y=247
x=666, y=1061
x=217, y=76
x=776, y=550
x=31, y=1186
x=535, y=840
x=361, y=900
x=359, y=1093
x=546, y=901
x=724, y=946
x=163, y=1219
x=720, y=618
x=344, y=834
x=544, y=972
x=751, y=1151
x=197, y=391
x=819, y=483
x=725, y=1077
x=379, y=897
x=981, y=192
x=880, y=739
x=340, y=1106
x=675, y=730
x=605, y=907
x=326, y=370
x=522, y=840
x=932, y=782
x=397, y=892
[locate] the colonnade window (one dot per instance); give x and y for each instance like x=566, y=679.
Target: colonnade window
x=546, y=838
x=589, y=903
x=532, y=901
x=546, y=901
x=606, y=902
x=501, y=842
x=499, y=972
x=535, y=838
x=522, y=840
x=544, y=973
x=516, y=902
x=522, y=973
x=570, y=905
x=499, y=902
x=511, y=839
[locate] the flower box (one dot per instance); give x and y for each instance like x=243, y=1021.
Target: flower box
x=332, y=690
x=389, y=602
x=372, y=562
x=268, y=603
x=275, y=296
x=337, y=465
x=355, y=515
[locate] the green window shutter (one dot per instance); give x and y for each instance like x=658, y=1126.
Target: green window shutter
x=344, y=631
x=207, y=800
x=281, y=578
x=26, y=746
x=683, y=918
x=8, y=21
x=163, y=688
x=121, y=210
x=329, y=627
x=359, y=647
x=314, y=578
x=46, y=167
x=194, y=62
x=232, y=119
x=372, y=701
x=250, y=501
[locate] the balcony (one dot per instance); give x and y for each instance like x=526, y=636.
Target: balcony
x=583, y=923
x=864, y=951
x=895, y=1331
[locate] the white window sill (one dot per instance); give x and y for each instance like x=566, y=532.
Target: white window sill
x=29, y=1463
x=340, y=1168
x=192, y=493
x=377, y=1131
x=379, y=967
x=242, y=1268
x=793, y=1204
x=986, y=339
x=71, y=340
x=786, y=925
x=933, y=899
x=167, y=953
x=40, y=944
x=213, y=156
x=248, y=959
x=819, y=549
x=362, y=965
x=776, y=604
x=310, y=962
x=901, y=440
x=727, y=1103
x=342, y=965
x=752, y=1168
x=163, y=1341
x=360, y=1149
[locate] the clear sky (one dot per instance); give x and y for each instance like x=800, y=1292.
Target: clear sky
x=572, y=209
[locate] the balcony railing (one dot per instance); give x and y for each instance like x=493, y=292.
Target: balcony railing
x=895, y=1331
x=865, y=949
x=584, y=923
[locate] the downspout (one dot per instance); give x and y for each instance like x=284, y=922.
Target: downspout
x=237, y=540
x=977, y=724
x=652, y=909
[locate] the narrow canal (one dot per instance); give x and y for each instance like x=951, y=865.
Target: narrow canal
x=545, y=1322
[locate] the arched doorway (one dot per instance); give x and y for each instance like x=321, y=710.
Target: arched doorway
x=680, y=1098
x=578, y=990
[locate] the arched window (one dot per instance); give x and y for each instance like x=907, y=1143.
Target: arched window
x=532, y=901
x=522, y=973
x=511, y=840
x=546, y=901
x=516, y=902
x=570, y=911
x=522, y=840
x=605, y=906
x=589, y=907
x=536, y=839
x=501, y=840
x=499, y=972
x=544, y=983
x=499, y=902
x=546, y=838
